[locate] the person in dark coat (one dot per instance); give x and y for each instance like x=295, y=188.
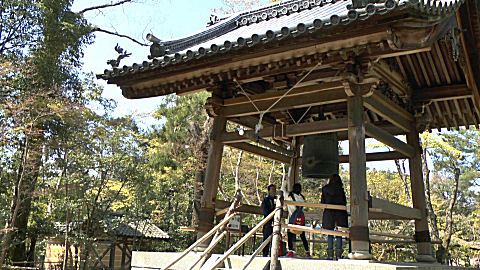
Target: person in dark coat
x=333, y=193
x=268, y=205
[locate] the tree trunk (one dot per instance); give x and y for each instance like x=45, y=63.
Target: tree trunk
x=403, y=177
x=449, y=219
x=31, y=251
x=257, y=176
x=23, y=199
x=201, y=150
x=271, y=173
x=21, y=203
x=67, y=244
x=237, y=170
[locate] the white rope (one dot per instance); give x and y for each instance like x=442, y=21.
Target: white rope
x=259, y=125
x=247, y=95
x=301, y=118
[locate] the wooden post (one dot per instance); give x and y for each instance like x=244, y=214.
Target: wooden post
x=207, y=210
x=312, y=239
x=124, y=253
x=294, y=170
x=359, y=234
x=422, y=234
x=112, y=256
x=277, y=233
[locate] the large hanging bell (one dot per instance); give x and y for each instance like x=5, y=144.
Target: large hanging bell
x=320, y=155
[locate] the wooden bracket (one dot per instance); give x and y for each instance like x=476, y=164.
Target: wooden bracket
x=365, y=89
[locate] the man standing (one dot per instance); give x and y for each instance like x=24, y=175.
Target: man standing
x=268, y=205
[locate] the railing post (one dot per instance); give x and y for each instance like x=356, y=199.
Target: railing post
x=277, y=232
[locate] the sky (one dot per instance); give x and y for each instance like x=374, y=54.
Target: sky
x=166, y=19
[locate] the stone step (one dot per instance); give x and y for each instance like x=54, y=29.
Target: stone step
x=156, y=260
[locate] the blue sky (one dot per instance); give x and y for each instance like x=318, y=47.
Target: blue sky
x=166, y=19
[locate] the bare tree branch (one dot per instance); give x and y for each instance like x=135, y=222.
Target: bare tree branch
x=104, y=6
x=98, y=29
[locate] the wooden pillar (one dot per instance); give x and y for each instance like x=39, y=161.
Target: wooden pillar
x=124, y=253
x=295, y=168
x=359, y=233
x=212, y=174
x=112, y=256
x=422, y=234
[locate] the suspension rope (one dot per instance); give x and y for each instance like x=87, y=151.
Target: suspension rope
x=259, y=125
x=246, y=94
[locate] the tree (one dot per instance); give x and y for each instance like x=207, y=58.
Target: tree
x=45, y=40
x=455, y=160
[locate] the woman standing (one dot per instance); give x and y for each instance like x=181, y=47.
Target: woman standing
x=297, y=217
x=333, y=193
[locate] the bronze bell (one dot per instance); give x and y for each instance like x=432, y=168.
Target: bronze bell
x=320, y=155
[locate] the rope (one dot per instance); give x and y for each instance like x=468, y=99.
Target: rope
x=301, y=118
x=247, y=95
x=259, y=125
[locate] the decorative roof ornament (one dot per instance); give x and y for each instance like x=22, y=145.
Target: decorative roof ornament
x=157, y=49
x=121, y=54
x=216, y=18
x=453, y=36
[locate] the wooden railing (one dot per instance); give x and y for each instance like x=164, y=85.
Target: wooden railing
x=201, y=240
x=274, y=238
x=317, y=205
x=243, y=240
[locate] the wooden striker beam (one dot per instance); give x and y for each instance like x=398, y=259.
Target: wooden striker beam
x=388, y=139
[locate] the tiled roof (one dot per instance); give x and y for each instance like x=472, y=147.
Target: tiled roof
x=275, y=22
x=142, y=229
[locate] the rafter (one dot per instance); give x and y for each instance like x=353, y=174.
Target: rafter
x=389, y=111
x=441, y=93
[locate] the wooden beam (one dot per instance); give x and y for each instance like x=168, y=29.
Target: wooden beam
x=389, y=111
x=441, y=93
x=277, y=94
x=394, y=78
x=388, y=53
x=379, y=156
x=270, y=145
x=289, y=102
x=317, y=205
x=469, y=46
x=312, y=230
x=395, y=209
x=317, y=127
x=261, y=152
x=392, y=235
x=244, y=208
x=388, y=139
